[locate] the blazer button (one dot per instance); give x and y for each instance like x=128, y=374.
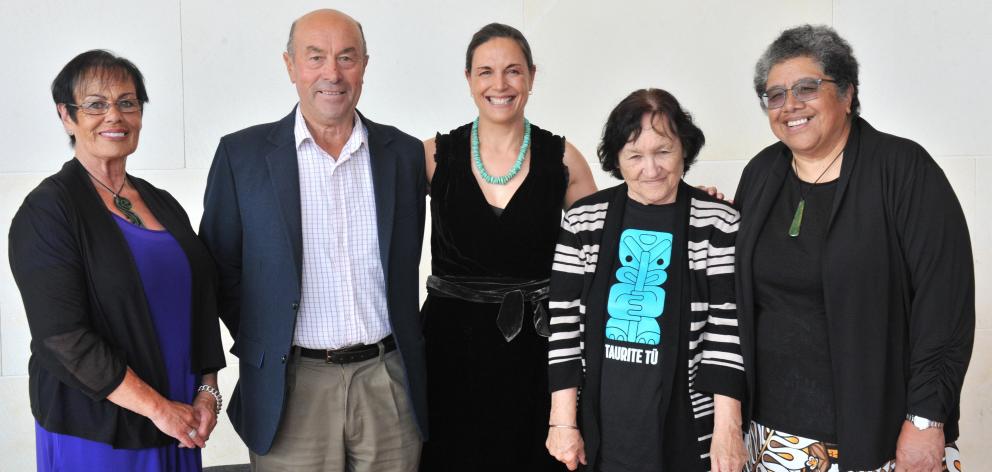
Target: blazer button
x=295, y=306
x=283, y=360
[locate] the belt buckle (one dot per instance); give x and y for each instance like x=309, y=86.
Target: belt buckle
x=327, y=356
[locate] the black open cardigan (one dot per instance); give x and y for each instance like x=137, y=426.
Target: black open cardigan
x=87, y=311
x=898, y=285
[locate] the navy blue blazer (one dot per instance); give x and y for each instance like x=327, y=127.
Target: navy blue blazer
x=252, y=226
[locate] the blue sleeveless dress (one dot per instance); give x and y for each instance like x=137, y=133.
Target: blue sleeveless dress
x=165, y=275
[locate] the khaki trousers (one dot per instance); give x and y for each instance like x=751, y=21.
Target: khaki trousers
x=352, y=417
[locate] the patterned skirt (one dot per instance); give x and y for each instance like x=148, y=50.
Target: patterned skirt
x=777, y=451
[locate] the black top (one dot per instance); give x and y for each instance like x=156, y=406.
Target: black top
x=898, y=287
x=643, y=311
x=472, y=369
x=794, y=384
x=469, y=238
x=704, y=345
x=87, y=311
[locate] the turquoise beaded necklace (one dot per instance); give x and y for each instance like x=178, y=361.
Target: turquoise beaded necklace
x=477, y=157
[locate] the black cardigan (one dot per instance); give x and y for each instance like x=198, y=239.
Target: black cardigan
x=898, y=285
x=87, y=311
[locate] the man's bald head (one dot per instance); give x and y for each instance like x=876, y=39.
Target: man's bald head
x=324, y=15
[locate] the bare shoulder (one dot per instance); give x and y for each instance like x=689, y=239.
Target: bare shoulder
x=573, y=157
x=430, y=147
x=580, y=180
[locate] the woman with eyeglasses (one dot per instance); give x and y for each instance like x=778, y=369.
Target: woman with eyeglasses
x=855, y=279
x=118, y=292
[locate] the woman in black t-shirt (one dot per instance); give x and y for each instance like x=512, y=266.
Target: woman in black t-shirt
x=642, y=308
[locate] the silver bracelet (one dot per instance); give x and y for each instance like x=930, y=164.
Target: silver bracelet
x=218, y=398
x=568, y=426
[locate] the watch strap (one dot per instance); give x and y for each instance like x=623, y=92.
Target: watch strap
x=922, y=423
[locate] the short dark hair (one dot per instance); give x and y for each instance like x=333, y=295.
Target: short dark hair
x=624, y=125
x=98, y=64
x=493, y=31
x=820, y=43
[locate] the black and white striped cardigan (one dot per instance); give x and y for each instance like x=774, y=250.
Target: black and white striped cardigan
x=715, y=362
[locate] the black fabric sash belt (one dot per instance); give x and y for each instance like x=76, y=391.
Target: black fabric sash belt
x=347, y=355
x=511, y=294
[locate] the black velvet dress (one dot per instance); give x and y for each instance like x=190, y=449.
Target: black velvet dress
x=488, y=399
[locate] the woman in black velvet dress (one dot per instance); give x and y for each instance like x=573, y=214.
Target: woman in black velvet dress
x=497, y=186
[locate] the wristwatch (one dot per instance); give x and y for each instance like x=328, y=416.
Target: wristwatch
x=922, y=423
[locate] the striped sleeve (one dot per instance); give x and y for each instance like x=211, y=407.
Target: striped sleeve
x=565, y=362
x=721, y=365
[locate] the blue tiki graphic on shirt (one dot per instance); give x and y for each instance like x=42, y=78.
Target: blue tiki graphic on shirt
x=637, y=299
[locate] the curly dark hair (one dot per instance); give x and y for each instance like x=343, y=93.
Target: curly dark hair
x=624, y=125
x=820, y=43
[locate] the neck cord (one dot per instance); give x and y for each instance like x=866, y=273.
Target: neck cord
x=797, y=218
x=122, y=203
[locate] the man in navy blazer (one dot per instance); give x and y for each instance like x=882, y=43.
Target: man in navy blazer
x=316, y=224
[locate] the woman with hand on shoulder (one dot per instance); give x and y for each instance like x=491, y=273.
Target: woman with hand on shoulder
x=498, y=186
x=856, y=283
x=119, y=294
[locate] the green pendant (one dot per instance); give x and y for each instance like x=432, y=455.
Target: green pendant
x=797, y=219
x=125, y=206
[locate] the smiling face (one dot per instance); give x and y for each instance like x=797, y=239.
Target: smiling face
x=653, y=164
x=500, y=80
x=103, y=137
x=327, y=66
x=813, y=129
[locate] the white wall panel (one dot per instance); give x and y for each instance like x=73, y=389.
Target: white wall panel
x=924, y=66
x=41, y=36
x=591, y=54
x=235, y=75
x=724, y=175
x=960, y=172
x=976, y=411
x=16, y=346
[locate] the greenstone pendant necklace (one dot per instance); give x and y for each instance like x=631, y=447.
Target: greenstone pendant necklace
x=477, y=157
x=797, y=219
x=123, y=204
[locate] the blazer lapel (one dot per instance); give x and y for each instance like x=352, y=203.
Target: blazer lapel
x=284, y=172
x=383, y=162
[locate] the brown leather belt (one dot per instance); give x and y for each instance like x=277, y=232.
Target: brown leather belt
x=347, y=355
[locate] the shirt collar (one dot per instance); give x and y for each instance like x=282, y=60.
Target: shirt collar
x=359, y=135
